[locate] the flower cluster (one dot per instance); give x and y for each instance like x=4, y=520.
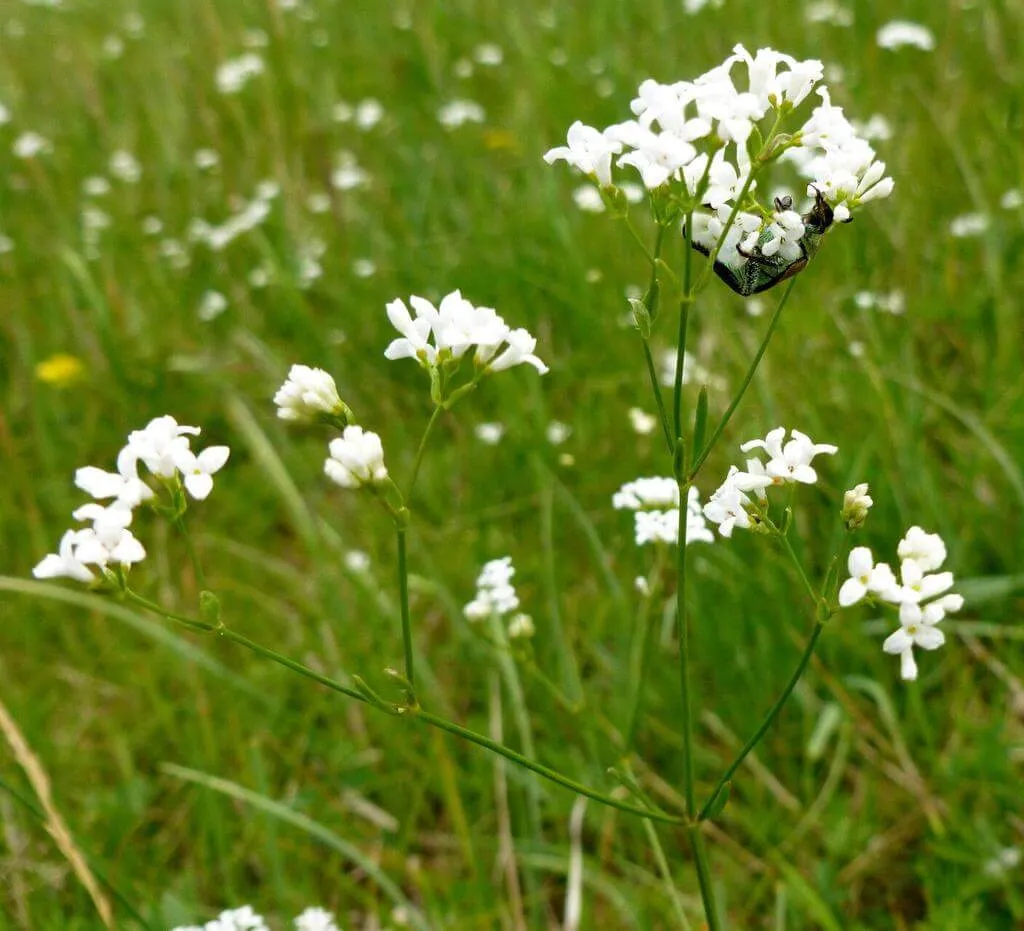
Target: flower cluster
x=439, y=335
x=496, y=598
x=788, y=461
x=921, y=593
x=308, y=395
x=356, y=459
x=655, y=503
x=691, y=143
x=246, y=919
x=163, y=448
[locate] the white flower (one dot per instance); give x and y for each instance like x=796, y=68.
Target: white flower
x=867, y=577
x=856, y=503
x=197, y=471
x=656, y=527
x=518, y=349
x=642, y=422
x=357, y=561
x=556, y=432
x=917, y=585
x=588, y=199
x=456, y=113
x=64, y=564
x=495, y=594
x=657, y=492
x=727, y=506
x=348, y=175
x=211, y=305
x=315, y=919
x=489, y=433
x=926, y=549
x=900, y=33
x=968, y=224
x=488, y=54
x=105, y=543
x=368, y=113
x=521, y=627
x=790, y=462
x=234, y=74
x=589, y=151
x=30, y=144
x=128, y=488
x=125, y=167
x=357, y=458
x=307, y=394
x=1012, y=199
x=785, y=230
x=158, y=446
x=413, y=343
x=657, y=156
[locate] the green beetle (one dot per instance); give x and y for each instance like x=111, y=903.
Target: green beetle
x=759, y=272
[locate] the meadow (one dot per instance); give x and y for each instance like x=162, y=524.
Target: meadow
x=217, y=190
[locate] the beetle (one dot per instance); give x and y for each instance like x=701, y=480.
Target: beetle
x=758, y=272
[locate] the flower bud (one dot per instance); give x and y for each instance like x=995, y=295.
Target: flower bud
x=856, y=503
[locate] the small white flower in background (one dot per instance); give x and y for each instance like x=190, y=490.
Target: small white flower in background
x=968, y=224
x=495, y=594
x=656, y=527
x=892, y=303
x=489, y=434
x=152, y=226
x=589, y=151
x=521, y=627
x=206, y=159
x=6, y=244
x=642, y=422
x=356, y=459
x=901, y=33
x=856, y=503
x=364, y=268
x=695, y=6
x=457, y=113
x=876, y=127
x=829, y=12
x=556, y=432
x=235, y=73
x=368, y=113
x=125, y=167
x=588, y=199
x=318, y=202
x=348, y=175
x=211, y=305
x=315, y=919
x=790, y=462
x=30, y=144
x=1013, y=199
x=357, y=561
x=342, y=112
x=96, y=186
x=64, y=564
x=694, y=373
x=488, y=54
x=307, y=394
x=463, y=68
x=657, y=492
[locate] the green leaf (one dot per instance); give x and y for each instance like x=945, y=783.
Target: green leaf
x=721, y=800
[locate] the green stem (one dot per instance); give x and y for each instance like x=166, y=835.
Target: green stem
x=403, y=597
x=799, y=568
x=684, y=654
x=684, y=319
x=413, y=713
x=640, y=660
x=542, y=770
x=766, y=723
x=704, y=881
x=652, y=373
x=702, y=455
x=420, y=450
x=193, y=556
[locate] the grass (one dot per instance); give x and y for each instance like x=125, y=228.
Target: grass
x=194, y=776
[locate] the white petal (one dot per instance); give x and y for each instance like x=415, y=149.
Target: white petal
x=899, y=641
x=212, y=458
x=198, y=485
x=929, y=638
x=851, y=592
x=860, y=561
x=908, y=666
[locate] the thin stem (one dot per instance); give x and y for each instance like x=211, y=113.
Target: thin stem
x=684, y=662
x=652, y=373
x=193, y=556
x=702, y=455
x=641, y=656
x=651, y=257
x=403, y=597
x=666, y=874
x=541, y=769
x=684, y=319
x=413, y=713
x=766, y=723
x=799, y=568
x=420, y=450
x=704, y=881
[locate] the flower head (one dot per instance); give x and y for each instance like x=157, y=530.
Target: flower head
x=307, y=395
x=588, y=150
x=790, y=461
x=356, y=459
x=495, y=594
x=856, y=503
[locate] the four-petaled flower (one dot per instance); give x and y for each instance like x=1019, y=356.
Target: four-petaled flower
x=790, y=462
x=588, y=150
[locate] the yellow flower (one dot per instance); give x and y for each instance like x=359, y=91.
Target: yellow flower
x=499, y=139
x=60, y=370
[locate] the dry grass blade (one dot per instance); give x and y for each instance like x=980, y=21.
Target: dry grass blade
x=54, y=823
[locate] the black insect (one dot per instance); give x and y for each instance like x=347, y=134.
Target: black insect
x=759, y=272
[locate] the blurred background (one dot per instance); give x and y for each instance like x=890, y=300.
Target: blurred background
x=194, y=196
